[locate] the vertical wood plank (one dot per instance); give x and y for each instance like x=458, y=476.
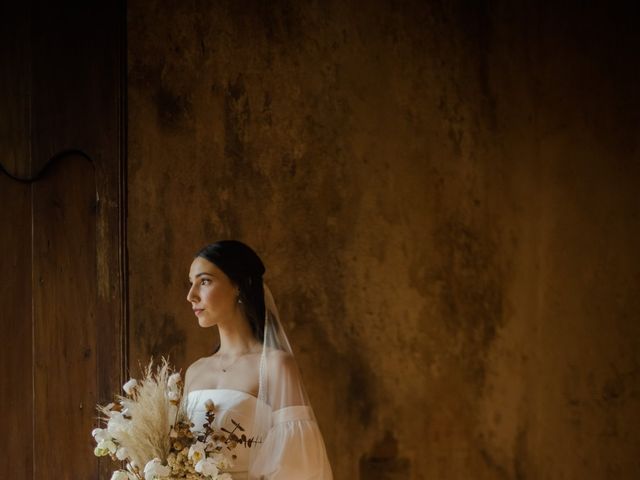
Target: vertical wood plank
x=16, y=407
x=15, y=88
x=65, y=333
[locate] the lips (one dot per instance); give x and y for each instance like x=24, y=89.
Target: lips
x=197, y=311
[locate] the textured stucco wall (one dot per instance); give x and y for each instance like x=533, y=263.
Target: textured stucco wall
x=446, y=199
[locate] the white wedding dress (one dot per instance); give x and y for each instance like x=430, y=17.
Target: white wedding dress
x=292, y=450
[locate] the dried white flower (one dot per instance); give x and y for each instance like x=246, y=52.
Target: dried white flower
x=222, y=461
x=172, y=411
x=104, y=448
x=129, y=386
x=100, y=434
x=154, y=468
x=116, y=424
x=121, y=453
x=173, y=381
x=207, y=466
x=121, y=475
x=196, y=452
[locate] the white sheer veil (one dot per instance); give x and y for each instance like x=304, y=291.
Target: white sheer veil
x=281, y=393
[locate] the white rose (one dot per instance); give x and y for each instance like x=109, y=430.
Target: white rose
x=196, y=452
x=207, y=466
x=129, y=386
x=154, y=468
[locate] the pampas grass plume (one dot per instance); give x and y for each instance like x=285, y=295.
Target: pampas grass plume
x=152, y=416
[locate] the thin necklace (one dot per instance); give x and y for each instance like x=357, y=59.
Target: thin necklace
x=225, y=368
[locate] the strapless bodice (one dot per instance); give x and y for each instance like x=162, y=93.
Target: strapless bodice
x=293, y=448
x=229, y=405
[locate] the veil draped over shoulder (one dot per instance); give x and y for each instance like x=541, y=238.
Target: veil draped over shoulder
x=290, y=443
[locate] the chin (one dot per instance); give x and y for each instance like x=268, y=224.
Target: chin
x=204, y=323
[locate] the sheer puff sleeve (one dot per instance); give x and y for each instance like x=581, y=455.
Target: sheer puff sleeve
x=292, y=446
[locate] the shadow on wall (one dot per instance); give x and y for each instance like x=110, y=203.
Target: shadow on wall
x=383, y=463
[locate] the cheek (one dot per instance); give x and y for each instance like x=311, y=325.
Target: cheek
x=216, y=297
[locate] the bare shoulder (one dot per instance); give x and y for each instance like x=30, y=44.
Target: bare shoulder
x=193, y=370
x=197, y=364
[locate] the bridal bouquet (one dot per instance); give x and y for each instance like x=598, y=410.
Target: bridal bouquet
x=149, y=430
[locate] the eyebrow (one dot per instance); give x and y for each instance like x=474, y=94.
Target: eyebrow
x=203, y=273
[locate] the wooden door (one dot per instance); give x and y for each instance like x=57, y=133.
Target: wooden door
x=62, y=236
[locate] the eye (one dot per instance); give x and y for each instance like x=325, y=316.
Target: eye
x=205, y=280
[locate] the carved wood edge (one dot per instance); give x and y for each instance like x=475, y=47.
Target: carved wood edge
x=41, y=173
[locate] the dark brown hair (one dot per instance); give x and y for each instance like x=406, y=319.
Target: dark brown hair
x=245, y=269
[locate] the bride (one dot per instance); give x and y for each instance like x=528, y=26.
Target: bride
x=252, y=377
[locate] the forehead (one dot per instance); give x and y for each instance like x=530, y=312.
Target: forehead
x=200, y=265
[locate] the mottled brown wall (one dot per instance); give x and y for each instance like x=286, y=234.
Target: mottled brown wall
x=446, y=198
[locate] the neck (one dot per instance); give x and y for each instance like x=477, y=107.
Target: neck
x=236, y=337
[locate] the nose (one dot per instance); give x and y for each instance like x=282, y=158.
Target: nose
x=191, y=295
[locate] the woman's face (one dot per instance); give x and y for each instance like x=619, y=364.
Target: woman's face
x=212, y=295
